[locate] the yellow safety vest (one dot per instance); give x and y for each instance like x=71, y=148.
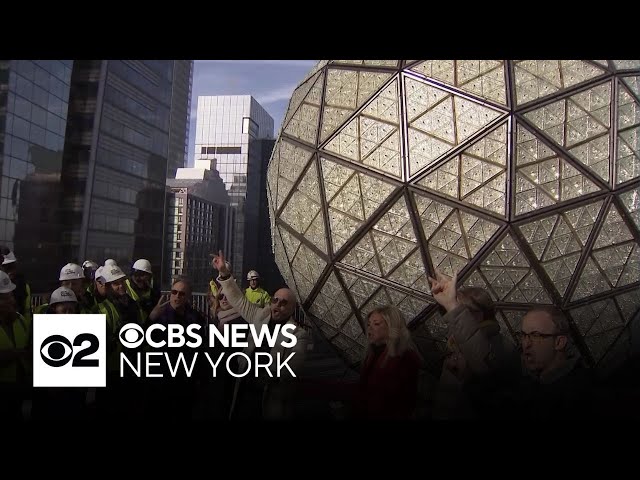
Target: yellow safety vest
x=27, y=304
x=113, y=327
x=21, y=333
x=259, y=296
x=134, y=295
x=114, y=323
x=214, y=288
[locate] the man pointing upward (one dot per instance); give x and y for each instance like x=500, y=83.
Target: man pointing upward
x=264, y=397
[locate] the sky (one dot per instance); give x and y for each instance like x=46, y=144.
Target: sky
x=270, y=82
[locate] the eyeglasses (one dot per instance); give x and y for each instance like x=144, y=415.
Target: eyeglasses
x=179, y=293
x=536, y=336
x=280, y=302
x=222, y=296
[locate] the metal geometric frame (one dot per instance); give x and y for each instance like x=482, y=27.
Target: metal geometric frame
x=305, y=120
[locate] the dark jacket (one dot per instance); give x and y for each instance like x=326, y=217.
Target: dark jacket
x=492, y=366
x=566, y=392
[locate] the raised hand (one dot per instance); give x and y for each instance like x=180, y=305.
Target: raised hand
x=219, y=263
x=157, y=310
x=444, y=290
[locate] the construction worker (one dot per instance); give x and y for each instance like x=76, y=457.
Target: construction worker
x=120, y=309
x=59, y=403
x=140, y=287
x=22, y=293
x=97, y=291
x=72, y=277
x=256, y=294
x=89, y=267
x=15, y=351
x=62, y=301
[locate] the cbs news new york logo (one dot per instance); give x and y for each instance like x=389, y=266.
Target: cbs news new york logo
x=69, y=350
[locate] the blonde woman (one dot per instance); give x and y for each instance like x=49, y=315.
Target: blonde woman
x=388, y=383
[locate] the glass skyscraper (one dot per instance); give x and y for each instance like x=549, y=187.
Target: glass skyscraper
x=229, y=134
x=87, y=146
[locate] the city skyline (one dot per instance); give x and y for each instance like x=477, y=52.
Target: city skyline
x=270, y=82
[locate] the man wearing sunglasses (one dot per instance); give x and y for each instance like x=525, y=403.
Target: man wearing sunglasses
x=173, y=398
x=274, y=394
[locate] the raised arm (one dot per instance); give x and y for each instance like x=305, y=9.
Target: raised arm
x=249, y=311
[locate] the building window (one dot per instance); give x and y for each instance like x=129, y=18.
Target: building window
x=211, y=150
x=228, y=150
x=203, y=150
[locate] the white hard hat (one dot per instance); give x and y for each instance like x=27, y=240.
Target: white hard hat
x=9, y=258
x=71, y=271
x=62, y=295
x=6, y=285
x=143, y=265
x=111, y=274
x=90, y=264
x=99, y=273
x=252, y=275
x=110, y=262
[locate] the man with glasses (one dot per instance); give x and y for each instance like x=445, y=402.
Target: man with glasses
x=264, y=397
x=556, y=382
x=173, y=398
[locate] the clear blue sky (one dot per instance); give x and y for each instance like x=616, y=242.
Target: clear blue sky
x=270, y=82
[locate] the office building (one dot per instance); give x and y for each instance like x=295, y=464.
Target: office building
x=234, y=135
x=197, y=218
x=86, y=148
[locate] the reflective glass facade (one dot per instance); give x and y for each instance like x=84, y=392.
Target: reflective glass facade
x=226, y=129
x=93, y=173
x=34, y=99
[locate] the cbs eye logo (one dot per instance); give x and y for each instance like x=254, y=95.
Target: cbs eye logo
x=131, y=335
x=70, y=350
x=56, y=351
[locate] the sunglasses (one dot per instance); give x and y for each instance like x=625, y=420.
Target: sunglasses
x=179, y=293
x=280, y=302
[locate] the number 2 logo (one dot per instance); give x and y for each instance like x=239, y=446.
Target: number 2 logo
x=56, y=350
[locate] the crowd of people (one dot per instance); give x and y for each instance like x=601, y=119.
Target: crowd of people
x=483, y=375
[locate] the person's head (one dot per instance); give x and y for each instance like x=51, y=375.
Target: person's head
x=223, y=303
x=115, y=281
x=7, y=300
x=180, y=295
x=72, y=277
x=141, y=274
x=254, y=279
x=89, y=268
x=386, y=326
x=62, y=301
x=544, y=336
x=478, y=301
x=100, y=282
x=283, y=304
x=9, y=265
